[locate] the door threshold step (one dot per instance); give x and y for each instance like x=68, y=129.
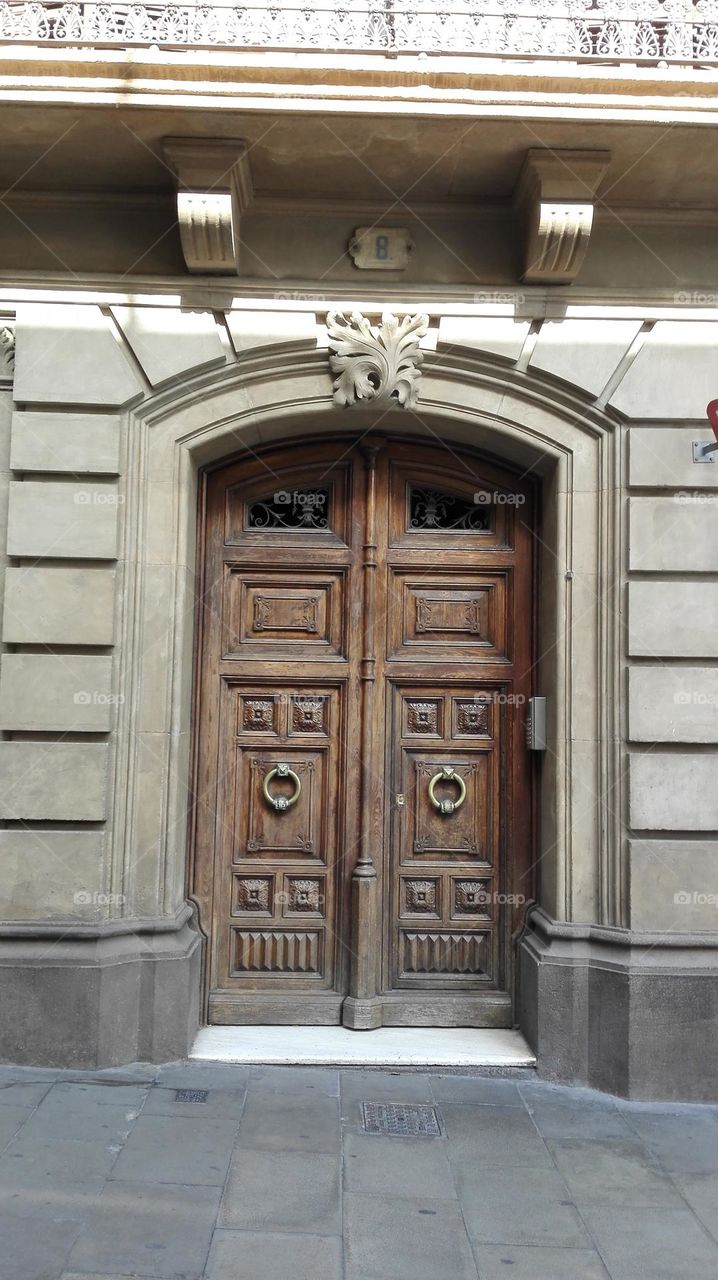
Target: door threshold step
x=452, y=1047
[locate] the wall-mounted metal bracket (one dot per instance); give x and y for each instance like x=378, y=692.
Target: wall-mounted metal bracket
x=704, y=450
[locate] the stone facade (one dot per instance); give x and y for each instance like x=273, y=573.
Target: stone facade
x=95, y=689
x=124, y=387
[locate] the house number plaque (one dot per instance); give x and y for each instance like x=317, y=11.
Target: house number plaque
x=381, y=248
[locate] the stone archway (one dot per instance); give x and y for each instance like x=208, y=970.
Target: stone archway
x=466, y=399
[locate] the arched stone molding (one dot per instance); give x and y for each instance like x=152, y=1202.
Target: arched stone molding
x=465, y=398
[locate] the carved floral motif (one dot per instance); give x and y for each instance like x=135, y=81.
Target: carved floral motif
x=253, y=895
x=376, y=362
x=7, y=349
x=422, y=717
x=258, y=714
x=420, y=896
x=308, y=715
x=304, y=895
x=471, y=897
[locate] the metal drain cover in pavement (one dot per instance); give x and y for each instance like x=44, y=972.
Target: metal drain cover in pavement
x=191, y=1095
x=400, y=1119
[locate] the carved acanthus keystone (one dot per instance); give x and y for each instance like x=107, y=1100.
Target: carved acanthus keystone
x=376, y=362
x=555, y=196
x=214, y=189
x=7, y=350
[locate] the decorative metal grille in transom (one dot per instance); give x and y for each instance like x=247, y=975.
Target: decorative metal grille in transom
x=191, y=1095
x=400, y=1119
x=290, y=509
x=436, y=511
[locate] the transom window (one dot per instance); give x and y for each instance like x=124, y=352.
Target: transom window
x=434, y=509
x=290, y=509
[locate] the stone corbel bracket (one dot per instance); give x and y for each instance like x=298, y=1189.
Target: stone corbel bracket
x=554, y=196
x=214, y=189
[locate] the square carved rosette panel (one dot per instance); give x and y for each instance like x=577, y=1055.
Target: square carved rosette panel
x=282, y=885
x=446, y=865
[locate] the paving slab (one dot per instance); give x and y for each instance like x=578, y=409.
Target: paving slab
x=227, y=1103
x=53, y=1198
x=382, y=1086
x=90, y=1122
x=557, y=1116
x=620, y=1173
x=295, y=1080
x=281, y=1122
x=683, y=1143
x=34, y=1161
x=385, y=1166
x=282, y=1191
x=494, y=1136
x=518, y=1206
x=202, y=1075
x=247, y=1255
x=110, y=1093
x=12, y=1119
x=169, y=1149
x=701, y=1192
x=405, y=1239
x=34, y=1249
x=139, y=1230
x=652, y=1244
x=506, y=1262
x=23, y=1094
x=476, y=1091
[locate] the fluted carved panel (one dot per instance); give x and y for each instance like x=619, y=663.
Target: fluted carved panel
x=443, y=953
x=277, y=952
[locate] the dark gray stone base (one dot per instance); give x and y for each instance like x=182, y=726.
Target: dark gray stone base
x=639, y=1021
x=99, y=1002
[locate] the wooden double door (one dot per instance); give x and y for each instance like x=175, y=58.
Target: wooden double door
x=362, y=818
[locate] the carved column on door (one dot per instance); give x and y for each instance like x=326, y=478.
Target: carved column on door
x=362, y=1010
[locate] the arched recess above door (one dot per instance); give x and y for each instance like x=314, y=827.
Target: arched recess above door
x=465, y=399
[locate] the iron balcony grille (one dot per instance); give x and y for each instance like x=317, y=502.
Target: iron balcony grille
x=599, y=31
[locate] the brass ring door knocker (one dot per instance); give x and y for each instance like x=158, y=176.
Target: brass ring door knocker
x=281, y=803
x=447, y=774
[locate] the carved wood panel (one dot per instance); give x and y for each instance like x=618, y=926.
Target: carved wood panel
x=449, y=614
x=446, y=861
x=283, y=612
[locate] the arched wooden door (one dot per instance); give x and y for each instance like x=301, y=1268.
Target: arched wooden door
x=363, y=800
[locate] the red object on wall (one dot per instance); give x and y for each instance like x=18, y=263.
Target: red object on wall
x=712, y=412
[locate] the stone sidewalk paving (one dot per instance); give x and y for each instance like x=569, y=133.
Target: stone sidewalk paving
x=108, y=1175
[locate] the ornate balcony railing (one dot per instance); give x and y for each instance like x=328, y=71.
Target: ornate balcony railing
x=605, y=31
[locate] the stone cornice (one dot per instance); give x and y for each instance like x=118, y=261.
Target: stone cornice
x=336, y=83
